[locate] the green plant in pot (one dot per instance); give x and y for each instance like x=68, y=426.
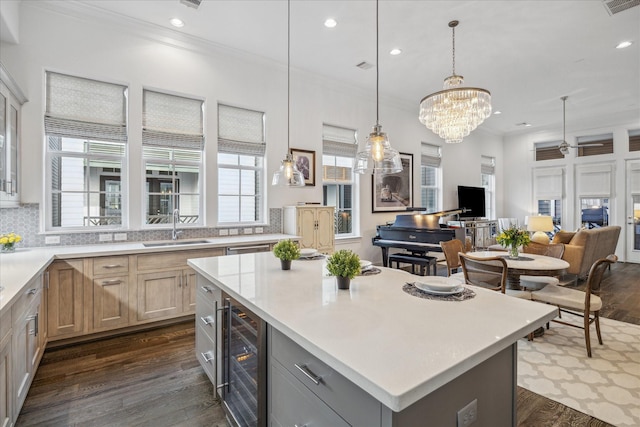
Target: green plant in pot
x=345, y=265
x=286, y=250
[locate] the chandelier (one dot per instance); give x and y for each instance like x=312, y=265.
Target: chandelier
x=288, y=175
x=454, y=112
x=378, y=156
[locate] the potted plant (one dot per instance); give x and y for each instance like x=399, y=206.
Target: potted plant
x=286, y=250
x=512, y=238
x=345, y=265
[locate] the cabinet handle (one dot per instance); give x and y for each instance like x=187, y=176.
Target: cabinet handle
x=180, y=281
x=207, y=357
x=307, y=372
x=206, y=289
x=111, y=282
x=112, y=266
x=32, y=291
x=34, y=331
x=296, y=425
x=207, y=320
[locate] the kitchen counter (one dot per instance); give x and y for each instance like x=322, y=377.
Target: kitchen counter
x=20, y=267
x=397, y=347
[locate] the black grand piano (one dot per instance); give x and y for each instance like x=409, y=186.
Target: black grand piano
x=416, y=233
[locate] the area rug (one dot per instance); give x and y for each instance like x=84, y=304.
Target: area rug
x=606, y=386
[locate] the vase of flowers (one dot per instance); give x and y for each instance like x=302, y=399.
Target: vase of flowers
x=345, y=265
x=8, y=242
x=512, y=239
x=286, y=250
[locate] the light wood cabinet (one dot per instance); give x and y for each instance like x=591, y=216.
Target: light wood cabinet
x=66, y=299
x=314, y=225
x=11, y=100
x=110, y=292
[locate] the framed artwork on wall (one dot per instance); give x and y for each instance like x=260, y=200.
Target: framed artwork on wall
x=393, y=192
x=305, y=161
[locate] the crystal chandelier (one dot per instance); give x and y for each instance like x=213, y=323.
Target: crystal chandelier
x=454, y=112
x=378, y=156
x=288, y=175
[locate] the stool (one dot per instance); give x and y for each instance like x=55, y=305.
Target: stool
x=422, y=261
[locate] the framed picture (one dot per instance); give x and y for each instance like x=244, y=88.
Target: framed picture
x=305, y=161
x=393, y=192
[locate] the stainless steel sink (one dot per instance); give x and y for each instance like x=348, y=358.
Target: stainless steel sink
x=175, y=243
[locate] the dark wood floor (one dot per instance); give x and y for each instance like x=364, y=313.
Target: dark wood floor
x=153, y=378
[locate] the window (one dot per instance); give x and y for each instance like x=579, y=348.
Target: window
x=548, y=150
x=595, y=145
x=488, y=181
x=430, y=177
x=634, y=140
x=594, y=189
x=241, y=148
x=173, y=143
x=86, y=135
x=552, y=208
x=339, y=147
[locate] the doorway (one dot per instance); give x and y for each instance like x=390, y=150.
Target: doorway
x=632, y=231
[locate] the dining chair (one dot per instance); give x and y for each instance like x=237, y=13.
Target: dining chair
x=489, y=273
x=555, y=250
x=451, y=249
x=586, y=304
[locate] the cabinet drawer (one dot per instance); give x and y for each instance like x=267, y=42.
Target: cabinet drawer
x=292, y=404
x=206, y=352
x=176, y=259
x=29, y=294
x=208, y=291
x=111, y=265
x=206, y=316
x=359, y=409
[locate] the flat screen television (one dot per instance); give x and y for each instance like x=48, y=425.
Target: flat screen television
x=471, y=198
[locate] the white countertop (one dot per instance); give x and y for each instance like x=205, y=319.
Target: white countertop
x=19, y=268
x=395, y=346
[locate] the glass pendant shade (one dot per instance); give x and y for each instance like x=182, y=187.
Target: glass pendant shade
x=378, y=156
x=454, y=112
x=288, y=175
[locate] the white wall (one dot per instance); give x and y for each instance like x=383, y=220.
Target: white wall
x=50, y=40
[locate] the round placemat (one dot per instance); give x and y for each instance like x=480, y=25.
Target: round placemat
x=371, y=271
x=412, y=290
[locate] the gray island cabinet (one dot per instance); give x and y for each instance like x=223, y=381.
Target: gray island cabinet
x=369, y=356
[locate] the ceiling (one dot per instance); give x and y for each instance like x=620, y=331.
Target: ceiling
x=527, y=53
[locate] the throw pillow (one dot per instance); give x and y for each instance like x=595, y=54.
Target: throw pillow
x=563, y=237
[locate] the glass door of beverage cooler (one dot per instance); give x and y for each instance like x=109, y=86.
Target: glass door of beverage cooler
x=244, y=371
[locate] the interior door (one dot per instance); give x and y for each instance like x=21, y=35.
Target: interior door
x=633, y=212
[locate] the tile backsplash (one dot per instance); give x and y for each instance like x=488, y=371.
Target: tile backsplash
x=25, y=221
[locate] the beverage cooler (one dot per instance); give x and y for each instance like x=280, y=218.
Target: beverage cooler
x=243, y=388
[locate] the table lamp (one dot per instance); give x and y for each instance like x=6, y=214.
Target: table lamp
x=540, y=224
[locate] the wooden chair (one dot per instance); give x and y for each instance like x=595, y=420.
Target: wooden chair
x=586, y=304
x=555, y=250
x=451, y=249
x=489, y=273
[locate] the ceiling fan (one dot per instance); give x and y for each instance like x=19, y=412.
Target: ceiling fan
x=564, y=145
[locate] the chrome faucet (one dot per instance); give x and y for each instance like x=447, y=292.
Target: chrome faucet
x=176, y=219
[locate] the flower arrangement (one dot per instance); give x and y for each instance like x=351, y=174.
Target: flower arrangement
x=9, y=241
x=512, y=238
x=344, y=263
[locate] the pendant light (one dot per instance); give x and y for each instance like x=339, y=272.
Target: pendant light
x=288, y=175
x=378, y=156
x=454, y=112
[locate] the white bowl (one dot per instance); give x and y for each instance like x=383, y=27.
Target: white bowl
x=436, y=283
x=308, y=252
x=364, y=264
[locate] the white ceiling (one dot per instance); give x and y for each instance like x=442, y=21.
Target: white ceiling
x=527, y=53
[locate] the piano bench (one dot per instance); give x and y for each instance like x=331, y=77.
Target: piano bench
x=422, y=261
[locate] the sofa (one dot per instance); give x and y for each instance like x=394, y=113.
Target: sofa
x=584, y=247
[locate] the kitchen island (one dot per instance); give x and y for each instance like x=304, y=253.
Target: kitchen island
x=420, y=360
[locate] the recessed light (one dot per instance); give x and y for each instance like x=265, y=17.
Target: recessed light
x=497, y=112
x=178, y=23
x=395, y=51
x=330, y=23
x=527, y=125
x=624, y=44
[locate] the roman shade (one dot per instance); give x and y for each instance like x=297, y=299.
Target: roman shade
x=172, y=121
x=84, y=108
x=430, y=155
x=488, y=165
x=240, y=131
x=548, y=183
x=339, y=141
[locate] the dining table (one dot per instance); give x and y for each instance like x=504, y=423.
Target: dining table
x=526, y=264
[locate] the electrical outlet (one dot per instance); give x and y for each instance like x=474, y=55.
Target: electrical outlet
x=224, y=232
x=233, y=232
x=120, y=236
x=52, y=240
x=247, y=231
x=105, y=237
x=259, y=230
x=469, y=414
